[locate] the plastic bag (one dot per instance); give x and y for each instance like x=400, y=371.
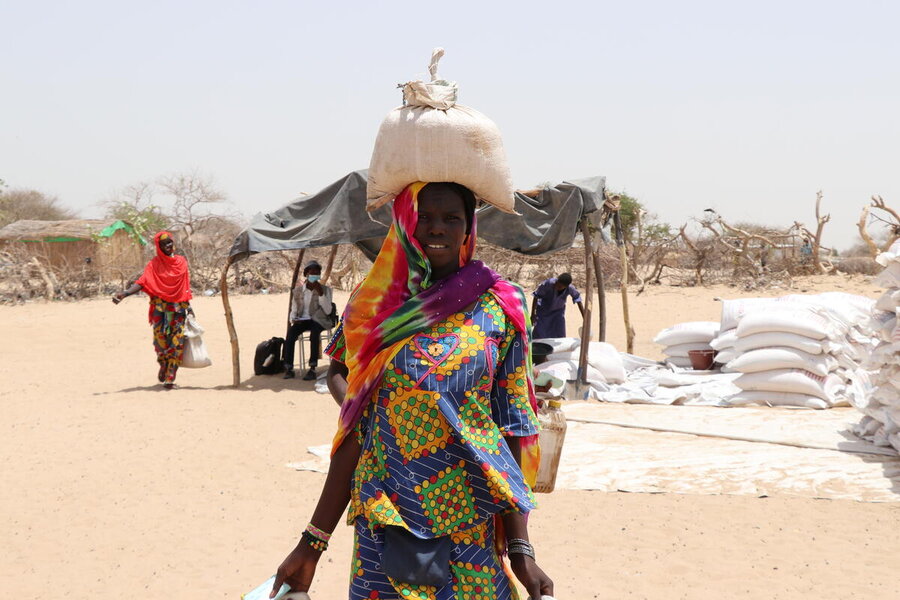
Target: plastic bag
x=195, y=355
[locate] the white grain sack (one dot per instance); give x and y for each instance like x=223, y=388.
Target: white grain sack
x=431, y=138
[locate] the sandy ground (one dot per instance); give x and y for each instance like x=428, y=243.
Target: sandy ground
x=113, y=488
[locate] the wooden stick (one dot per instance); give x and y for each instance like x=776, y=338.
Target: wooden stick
x=294, y=278
x=329, y=264
x=623, y=258
x=50, y=291
x=601, y=298
x=586, y=326
x=232, y=332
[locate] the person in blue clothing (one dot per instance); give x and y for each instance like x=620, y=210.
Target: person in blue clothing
x=548, y=307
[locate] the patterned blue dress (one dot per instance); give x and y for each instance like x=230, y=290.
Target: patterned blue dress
x=433, y=456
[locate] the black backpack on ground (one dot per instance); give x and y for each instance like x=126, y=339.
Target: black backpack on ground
x=267, y=360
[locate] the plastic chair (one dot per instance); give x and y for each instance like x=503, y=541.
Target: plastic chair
x=304, y=338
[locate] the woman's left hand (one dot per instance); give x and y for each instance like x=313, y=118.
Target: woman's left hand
x=531, y=576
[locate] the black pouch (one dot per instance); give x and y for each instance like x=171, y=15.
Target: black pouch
x=413, y=560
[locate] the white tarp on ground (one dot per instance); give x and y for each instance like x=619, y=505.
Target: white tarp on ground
x=653, y=383
x=799, y=453
x=638, y=459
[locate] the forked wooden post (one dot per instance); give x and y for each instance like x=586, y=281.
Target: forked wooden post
x=623, y=258
x=329, y=264
x=229, y=320
x=586, y=326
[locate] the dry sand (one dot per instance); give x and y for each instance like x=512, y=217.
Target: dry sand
x=114, y=488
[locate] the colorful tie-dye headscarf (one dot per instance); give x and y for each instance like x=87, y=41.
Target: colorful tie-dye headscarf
x=397, y=300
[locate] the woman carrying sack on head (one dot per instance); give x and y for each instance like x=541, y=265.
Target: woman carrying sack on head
x=436, y=449
x=167, y=281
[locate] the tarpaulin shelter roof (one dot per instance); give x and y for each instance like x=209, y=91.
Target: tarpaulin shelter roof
x=337, y=215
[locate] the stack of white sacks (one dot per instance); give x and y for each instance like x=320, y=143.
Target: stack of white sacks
x=795, y=350
x=604, y=361
x=879, y=377
x=680, y=339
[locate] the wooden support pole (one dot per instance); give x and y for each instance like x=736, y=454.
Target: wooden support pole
x=294, y=279
x=586, y=325
x=229, y=320
x=601, y=298
x=329, y=264
x=623, y=258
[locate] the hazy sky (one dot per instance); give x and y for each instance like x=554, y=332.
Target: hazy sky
x=748, y=108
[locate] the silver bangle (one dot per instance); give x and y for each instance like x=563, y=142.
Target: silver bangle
x=520, y=546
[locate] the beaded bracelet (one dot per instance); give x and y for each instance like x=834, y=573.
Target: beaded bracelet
x=318, y=533
x=314, y=542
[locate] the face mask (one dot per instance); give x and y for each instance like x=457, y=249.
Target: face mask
x=314, y=278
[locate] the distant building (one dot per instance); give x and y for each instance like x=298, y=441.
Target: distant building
x=107, y=248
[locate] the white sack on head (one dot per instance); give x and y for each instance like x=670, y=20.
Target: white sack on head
x=767, y=359
x=431, y=139
x=685, y=333
x=682, y=350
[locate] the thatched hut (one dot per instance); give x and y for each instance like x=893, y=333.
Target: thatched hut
x=109, y=249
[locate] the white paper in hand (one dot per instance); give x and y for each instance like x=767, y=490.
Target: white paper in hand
x=262, y=591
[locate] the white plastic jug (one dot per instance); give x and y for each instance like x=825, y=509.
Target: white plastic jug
x=552, y=436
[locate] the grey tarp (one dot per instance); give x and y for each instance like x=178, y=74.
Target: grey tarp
x=337, y=215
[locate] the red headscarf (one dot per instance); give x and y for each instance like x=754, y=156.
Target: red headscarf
x=166, y=277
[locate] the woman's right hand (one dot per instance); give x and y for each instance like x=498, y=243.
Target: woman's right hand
x=530, y=575
x=297, y=569
x=117, y=297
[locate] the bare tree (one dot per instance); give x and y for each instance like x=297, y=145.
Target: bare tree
x=822, y=266
x=202, y=221
x=892, y=223
x=700, y=249
x=135, y=204
x=193, y=197
x=739, y=244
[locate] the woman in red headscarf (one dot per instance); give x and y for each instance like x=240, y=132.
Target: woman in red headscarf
x=167, y=281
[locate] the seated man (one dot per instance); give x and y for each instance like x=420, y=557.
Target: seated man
x=310, y=307
x=548, y=308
